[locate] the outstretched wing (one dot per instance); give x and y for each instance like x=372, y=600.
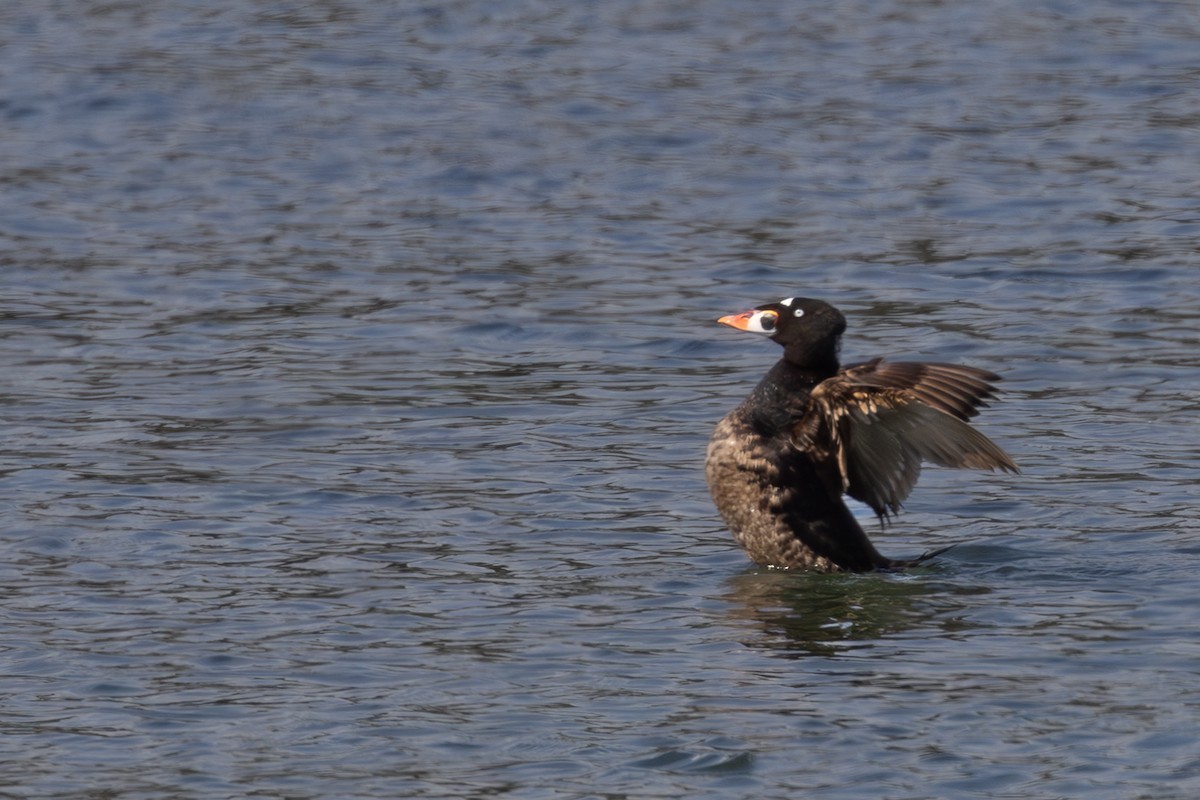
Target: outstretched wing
x=885, y=418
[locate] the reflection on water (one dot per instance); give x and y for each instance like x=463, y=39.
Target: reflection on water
x=811, y=614
x=833, y=614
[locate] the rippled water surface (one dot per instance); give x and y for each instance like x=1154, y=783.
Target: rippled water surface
x=359, y=363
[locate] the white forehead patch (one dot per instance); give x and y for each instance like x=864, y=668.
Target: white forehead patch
x=796, y=312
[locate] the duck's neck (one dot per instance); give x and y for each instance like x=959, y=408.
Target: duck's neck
x=821, y=360
x=784, y=390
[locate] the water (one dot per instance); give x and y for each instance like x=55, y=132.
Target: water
x=360, y=361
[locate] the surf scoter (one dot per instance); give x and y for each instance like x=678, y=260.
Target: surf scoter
x=812, y=430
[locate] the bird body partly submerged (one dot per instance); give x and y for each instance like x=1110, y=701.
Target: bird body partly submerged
x=811, y=431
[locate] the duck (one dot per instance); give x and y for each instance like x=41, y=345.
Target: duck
x=813, y=432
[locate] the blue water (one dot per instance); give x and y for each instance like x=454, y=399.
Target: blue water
x=360, y=360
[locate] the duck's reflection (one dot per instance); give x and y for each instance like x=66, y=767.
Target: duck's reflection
x=808, y=613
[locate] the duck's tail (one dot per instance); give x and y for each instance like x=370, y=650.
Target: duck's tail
x=904, y=563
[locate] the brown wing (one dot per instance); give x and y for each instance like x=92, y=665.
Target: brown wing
x=885, y=418
x=951, y=388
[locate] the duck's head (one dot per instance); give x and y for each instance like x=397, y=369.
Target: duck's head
x=809, y=330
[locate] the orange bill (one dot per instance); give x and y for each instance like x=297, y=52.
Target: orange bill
x=740, y=321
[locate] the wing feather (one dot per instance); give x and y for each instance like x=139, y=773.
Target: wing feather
x=952, y=388
x=886, y=418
